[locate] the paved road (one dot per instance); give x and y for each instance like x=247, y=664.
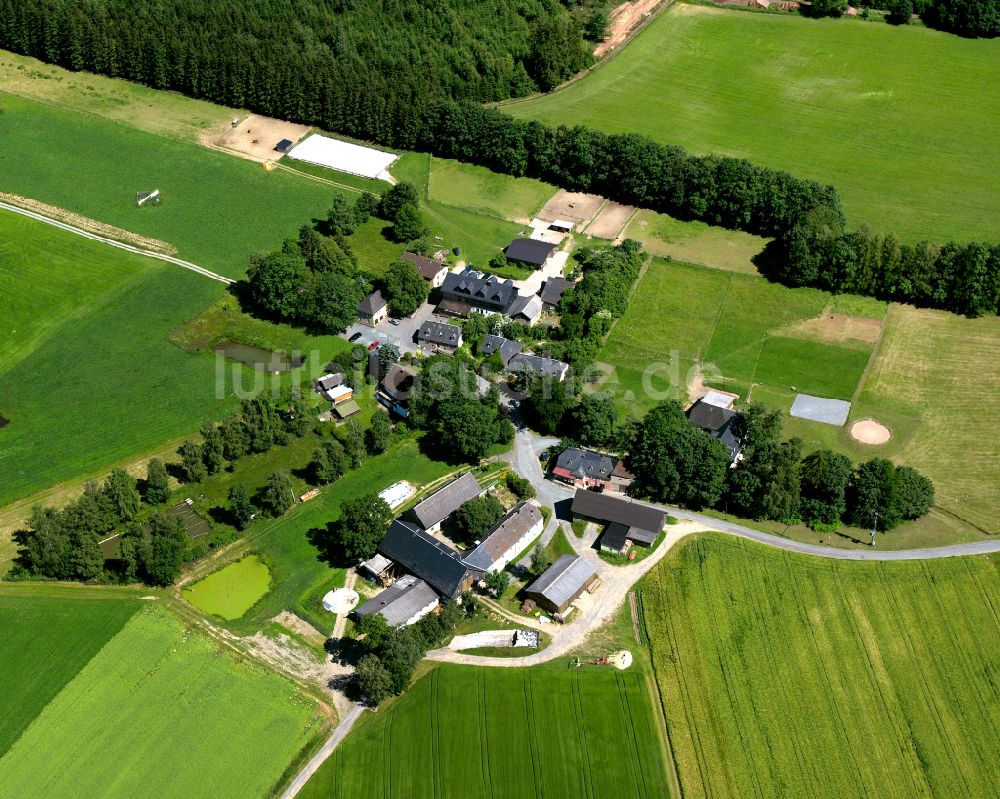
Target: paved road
x=338, y=735
x=112, y=242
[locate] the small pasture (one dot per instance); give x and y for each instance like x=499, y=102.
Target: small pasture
x=231, y=591
x=162, y=710
x=479, y=189
x=464, y=732
x=782, y=674
x=831, y=100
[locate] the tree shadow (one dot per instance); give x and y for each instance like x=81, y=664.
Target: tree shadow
x=177, y=471
x=321, y=538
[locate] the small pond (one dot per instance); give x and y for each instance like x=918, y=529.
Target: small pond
x=258, y=358
x=233, y=590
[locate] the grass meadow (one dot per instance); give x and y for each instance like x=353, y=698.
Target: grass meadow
x=513, y=733
x=477, y=188
x=46, y=641
x=160, y=710
x=231, y=591
x=217, y=209
x=794, y=676
x=832, y=100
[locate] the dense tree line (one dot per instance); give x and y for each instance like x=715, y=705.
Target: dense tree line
x=975, y=18
x=674, y=462
x=361, y=67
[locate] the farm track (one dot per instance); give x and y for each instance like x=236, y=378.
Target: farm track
x=120, y=245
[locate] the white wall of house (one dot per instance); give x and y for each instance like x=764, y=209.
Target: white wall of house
x=522, y=542
x=420, y=614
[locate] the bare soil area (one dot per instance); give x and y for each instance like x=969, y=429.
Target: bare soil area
x=868, y=431
x=611, y=220
x=573, y=206
x=623, y=19
x=256, y=137
x=835, y=328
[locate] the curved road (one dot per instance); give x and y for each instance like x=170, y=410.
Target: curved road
x=112, y=242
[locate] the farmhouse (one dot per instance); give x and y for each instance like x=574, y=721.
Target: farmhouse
x=439, y=336
x=396, y=389
x=521, y=525
x=432, y=271
x=529, y=251
x=586, y=469
x=552, y=291
x=477, y=290
x=546, y=368
x=444, y=502
x=560, y=584
x=373, y=309
x=417, y=552
x=404, y=602
x=506, y=348
x=724, y=424
x=625, y=520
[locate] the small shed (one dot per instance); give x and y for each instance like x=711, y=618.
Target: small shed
x=560, y=584
x=283, y=146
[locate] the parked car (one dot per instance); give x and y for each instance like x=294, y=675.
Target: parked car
x=355, y=337
x=515, y=403
x=373, y=345
x=393, y=321
x=544, y=456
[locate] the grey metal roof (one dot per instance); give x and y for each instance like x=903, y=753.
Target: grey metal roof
x=479, y=289
x=585, y=463
x=529, y=251
x=607, y=508
x=444, y=335
x=507, y=532
x=401, y=601
x=424, y=556
x=539, y=365
x=427, y=267
x=528, y=307
x=505, y=346
x=444, y=502
x=327, y=382
x=563, y=579
x=372, y=303
x=554, y=288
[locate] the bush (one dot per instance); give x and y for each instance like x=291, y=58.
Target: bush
x=519, y=486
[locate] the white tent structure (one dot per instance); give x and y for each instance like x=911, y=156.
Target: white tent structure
x=342, y=156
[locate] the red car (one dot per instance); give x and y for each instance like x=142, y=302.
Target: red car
x=373, y=345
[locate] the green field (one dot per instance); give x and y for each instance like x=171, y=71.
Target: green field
x=231, y=591
x=739, y=329
x=46, y=641
x=783, y=675
x=160, y=711
x=511, y=733
x=217, y=209
x=833, y=100
x=479, y=189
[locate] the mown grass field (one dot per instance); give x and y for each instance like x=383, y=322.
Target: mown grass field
x=832, y=100
x=231, y=591
x=217, y=209
x=517, y=733
x=160, y=710
x=739, y=329
x=794, y=676
x=46, y=641
x=477, y=188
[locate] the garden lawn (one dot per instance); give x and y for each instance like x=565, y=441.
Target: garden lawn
x=162, y=710
x=46, y=641
x=231, y=591
x=832, y=100
x=782, y=674
x=477, y=188
x=217, y=209
x=464, y=732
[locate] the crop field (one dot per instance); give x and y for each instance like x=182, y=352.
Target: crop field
x=160, y=710
x=217, y=209
x=463, y=732
x=740, y=329
x=480, y=189
x=794, y=676
x=943, y=370
x=832, y=100
x=46, y=641
x=231, y=591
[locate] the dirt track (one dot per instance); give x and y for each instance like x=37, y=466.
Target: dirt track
x=623, y=19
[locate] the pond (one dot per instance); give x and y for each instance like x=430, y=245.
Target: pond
x=232, y=591
x=258, y=358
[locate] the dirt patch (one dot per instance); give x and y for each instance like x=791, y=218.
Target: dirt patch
x=622, y=20
x=868, y=431
x=835, y=328
x=573, y=206
x=89, y=225
x=256, y=137
x=610, y=220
